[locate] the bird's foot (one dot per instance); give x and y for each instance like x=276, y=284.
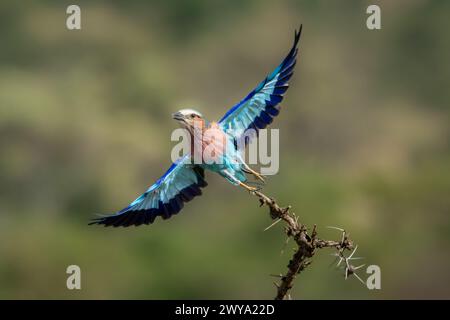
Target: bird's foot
x=249, y=188
x=259, y=176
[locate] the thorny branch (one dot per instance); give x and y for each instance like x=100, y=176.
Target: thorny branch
x=306, y=245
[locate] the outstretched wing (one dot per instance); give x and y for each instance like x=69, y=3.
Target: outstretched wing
x=258, y=109
x=181, y=183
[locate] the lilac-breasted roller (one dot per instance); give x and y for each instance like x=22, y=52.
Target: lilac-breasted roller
x=185, y=178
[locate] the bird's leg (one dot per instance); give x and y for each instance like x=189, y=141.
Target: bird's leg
x=240, y=183
x=249, y=188
x=253, y=172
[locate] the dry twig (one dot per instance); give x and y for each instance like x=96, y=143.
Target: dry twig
x=306, y=245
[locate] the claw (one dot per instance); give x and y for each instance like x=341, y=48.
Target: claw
x=257, y=175
x=249, y=188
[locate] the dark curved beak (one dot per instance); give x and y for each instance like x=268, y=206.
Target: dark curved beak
x=177, y=116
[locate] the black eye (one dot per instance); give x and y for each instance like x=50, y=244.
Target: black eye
x=192, y=115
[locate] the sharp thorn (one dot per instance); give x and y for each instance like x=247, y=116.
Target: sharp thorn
x=357, y=277
x=274, y=223
x=353, y=252
x=336, y=228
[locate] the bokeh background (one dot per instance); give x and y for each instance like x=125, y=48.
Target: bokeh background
x=85, y=127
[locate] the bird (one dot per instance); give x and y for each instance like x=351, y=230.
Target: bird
x=185, y=179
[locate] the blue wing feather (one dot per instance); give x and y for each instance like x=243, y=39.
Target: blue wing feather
x=166, y=197
x=258, y=108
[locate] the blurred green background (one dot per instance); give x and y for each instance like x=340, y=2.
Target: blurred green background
x=85, y=127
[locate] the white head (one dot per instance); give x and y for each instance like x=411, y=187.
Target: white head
x=187, y=117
